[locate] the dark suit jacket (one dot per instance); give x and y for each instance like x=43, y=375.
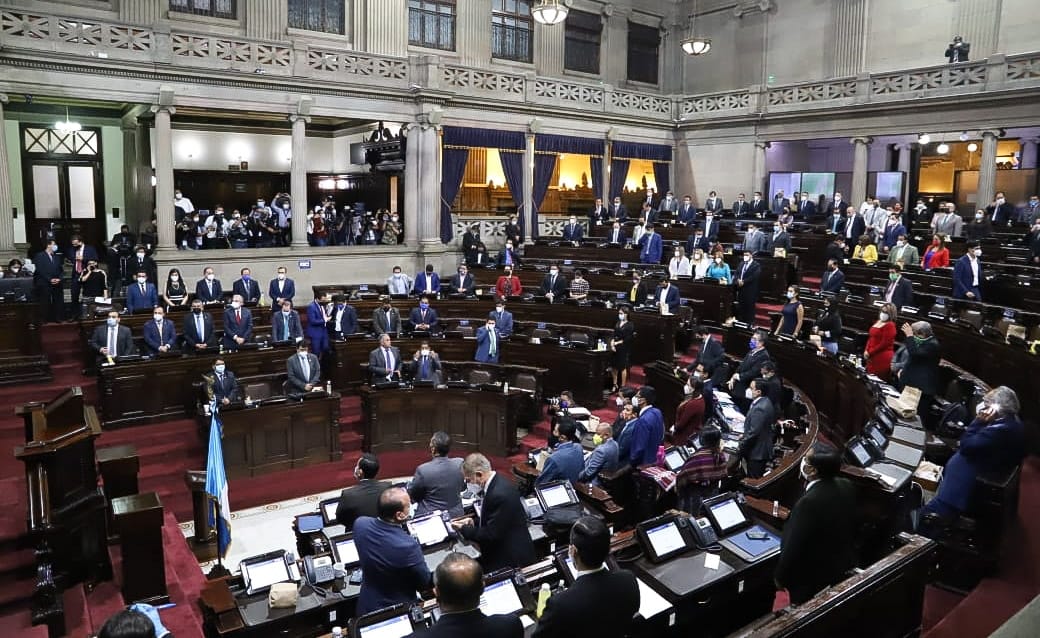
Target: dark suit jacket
x=835, y=252
x=459, y=283
x=750, y=367
x=601, y=216
x=250, y=290
x=559, y=290
x=671, y=298
x=580, y=610
x=714, y=206
x=202, y=291
x=688, y=214
x=153, y=339
x=483, y=353
x=816, y=549
x=46, y=268
x=922, y=365
x=297, y=380
x=620, y=213
x=757, y=442
x=984, y=448
x=382, y=323
x=416, y=318
x=711, y=353
x=1001, y=214
x=359, y=500
x=377, y=363
x=783, y=240
x=124, y=341
x=740, y=209
x=137, y=300
x=692, y=244
x=501, y=529
x=575, y=233
x=234, y=328
x=419, y=286
x=191, y=335
x=779, y=205
x=278, y=332
x=807, y=208
x=348, y=323
x=392, y=565
x=288, y=290
x=903, y=294
x=748, y=293
x=761, y=207
x=475, y=623
x=832, y=281
x=859, y=226
x=225, y=387
x=621, y=238
x=962, y=279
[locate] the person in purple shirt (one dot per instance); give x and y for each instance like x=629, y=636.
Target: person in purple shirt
x=648, y=430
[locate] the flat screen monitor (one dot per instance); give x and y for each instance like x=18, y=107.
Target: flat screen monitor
x=262, y=572
x=877, y=436
x=555, y=494
x=725, y=514
x=889, y=186
x=674, y=459
x=309, y=523
x=860, y=453
x=393, y=627
x=428, y=530
x=665, y=539
x=500, y=598
x=328, y=510
x=817, y=184
x=344, y=549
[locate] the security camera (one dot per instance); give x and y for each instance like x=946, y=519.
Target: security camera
x=28, y=98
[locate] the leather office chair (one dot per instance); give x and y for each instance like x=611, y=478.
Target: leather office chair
x=478, y=377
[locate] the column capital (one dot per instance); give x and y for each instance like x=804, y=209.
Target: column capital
x=903, y=146
x=1028, y=140
x=763, y=145
x=993, y=132
x=3, y=98
x=157, y=108
x=294, y=117
x=430, y=119
x=861, y=140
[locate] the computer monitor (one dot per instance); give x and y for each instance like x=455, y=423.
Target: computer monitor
x=725, y=513
x=555, y=494
x=344, y=550
x=309, y=523
x=328, y=510
x=429, y=530
x=860, y=453
x=501, y=597
x=674, y=458
x=397, y=625
x=662, y=538
x=877, y=435
x=260, y=572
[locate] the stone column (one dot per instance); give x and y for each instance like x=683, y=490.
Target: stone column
x=859, y=168
x=381, y=27
x=850, y=23
x=903, y=166
x=146, y=12
x=608, y=150
x=978, y=22
x=758, y=169
x=298, y=180
x=614, y=50
x=164, y=176
x=265, y=19
x=143, y=166
x=471, y=33
x=411, y=186
x=430, y=183
x=1028, y=155
x=6, y=217
x=531, y=224
x=131, y=189
x=548, y=48
x=987, y=169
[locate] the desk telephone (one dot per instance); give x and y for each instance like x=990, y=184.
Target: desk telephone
x=318, y=569
x=703, y=533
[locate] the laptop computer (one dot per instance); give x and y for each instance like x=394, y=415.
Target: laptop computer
x=748, y=541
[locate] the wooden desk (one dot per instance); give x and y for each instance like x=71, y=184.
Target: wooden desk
x=279, y=436
x=405, y=419
x=154, y=389
x=21, y=348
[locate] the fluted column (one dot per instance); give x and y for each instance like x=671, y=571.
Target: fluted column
x=6, y=216
x=471, y=34
x=265, y=19
x=848, y=36
x=531, y=227
x=1028, y=154
x=143, y=166
x=978, y=22
x=142, y=11
x=411, y=186
x=758, y=169
x=860, y=150
x=987, y=169
x=298, y=179
x=429, y=181
x=614, y=51
x=548, y=54
x=381, y=26
x=903, y=166
x=131, y=189
x=164, y=176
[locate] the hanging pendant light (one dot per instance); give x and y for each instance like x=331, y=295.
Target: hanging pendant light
x=550, y=12
x=694, y=44
x=67, y=126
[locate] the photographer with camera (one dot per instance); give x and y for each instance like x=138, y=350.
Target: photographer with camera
x=281, y=209
x=957, y=51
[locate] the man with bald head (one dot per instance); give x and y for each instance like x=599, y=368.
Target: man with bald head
x=393, y=569
x=604, y=458
x=458, y=583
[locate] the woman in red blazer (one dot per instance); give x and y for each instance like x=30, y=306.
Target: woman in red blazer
x=881, y=341
x=936, y=255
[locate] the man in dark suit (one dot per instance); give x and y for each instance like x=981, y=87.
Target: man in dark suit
x=142, y=262
x=598, y=214
x=285, y=324
x=836, y=250
x=554, y=286
x=756, y=444
x=921, y=369
x=501, y=527
x=566, y=461
x=427, y=282
x=816, y=550
x=160, y=334
x=221, y=386
x=746, y=282
x=618, y=210
x=393, y=569
x=458, y=583
x=833, y=279
x=806, y=207
x=900, y=291
x=616, y=235
x=424, y=317
x=304, y=371
x=384, y=363
x=854, y=227
x=711, y=227
x=759, y=206
x=238, y=324
x=957, y=51
x=247, y=287
x=198, y=329
x=317, y=323
x=507, y=256
x=281, y=288
x=470, y=239
x=779, y=238
x=386, y=319
x=580, y=610
x=462, y=282
x=648, y=215
x=79, y=256
x=141, y=295
x=47, y=281
x=750, y=366
x=438, y=483
x=503, y=319
x=713, y=204
x=697, y=240
x=207, y=289
x=781, y=204
x=711, y=352
x=343, y=318
x=741, y=207
x=687, y=211
x=572, y=231
x=112, y=340
x=361, y=499
x=836, y=206
x=667, y=295
x=426, y=364
x=489, y=344
x=651, y=246
x=967, y=274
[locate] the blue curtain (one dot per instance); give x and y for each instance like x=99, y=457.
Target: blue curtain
x=486, y=138
x=618, y=173
x=635, y=150
x=568, y=144
x=661, y=177
x=596, y=171
x=513, y=167
x=544, y=164
x=453, y=169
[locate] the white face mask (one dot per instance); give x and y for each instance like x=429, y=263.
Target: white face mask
x=500, y=308
x=748, y=394
x=981, y=407
x=697, y=375
x=425, y=352
x=802, y=471
x=883, y=316
x=141, y=280
x=158, y=318
x=473, y=488
x=747, y=258
x=236, y=304
x=978, y=252
x=281, y=276
x=209, y=277
x=790, y=295
x=900, y=243
x=635, y=402
x=177, y=196
x=554, y=272
x=140, y=255
x=621, y=317
x=175, y=277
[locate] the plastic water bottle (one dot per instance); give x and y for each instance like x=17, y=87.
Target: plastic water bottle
x=328, y=387
x=543, y=599
x=505, y=387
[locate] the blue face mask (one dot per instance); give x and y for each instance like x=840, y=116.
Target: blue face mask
x=752, y=344
x=424, y=306
x=245, y=277
x=564, y=404
x=219, y=369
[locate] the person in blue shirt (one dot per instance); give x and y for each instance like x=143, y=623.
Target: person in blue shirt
x=141, y=295
x=648, y=430
x=650, y=246
x=488, y=342
x=393, y=568
x=317, y=321
x=567, y=460
x=604, y=458
x=503, y=319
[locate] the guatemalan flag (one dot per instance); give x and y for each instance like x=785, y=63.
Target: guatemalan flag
x=217, y=488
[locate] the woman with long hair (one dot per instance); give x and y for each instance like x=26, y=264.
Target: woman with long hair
x=621, y=344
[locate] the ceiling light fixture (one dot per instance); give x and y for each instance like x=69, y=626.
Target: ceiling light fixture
x=693, y=44
x=942, y=148
x=964, y=136
x=973, y=147
x=550, y=12
x=67, y=126
x=924, y=138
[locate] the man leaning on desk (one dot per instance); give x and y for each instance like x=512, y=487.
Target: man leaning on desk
x=601, y=603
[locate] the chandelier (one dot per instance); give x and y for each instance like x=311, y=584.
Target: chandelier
x=549, y=12
x=694, y=44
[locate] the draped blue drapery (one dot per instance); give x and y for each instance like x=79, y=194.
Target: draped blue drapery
x=485, y=138
x=636, y=150
x=453, y=169
x=661, y=177
x=596, y=170
x=618, y=174
x=544, y=164
x=569, y=144
x=513, y=168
